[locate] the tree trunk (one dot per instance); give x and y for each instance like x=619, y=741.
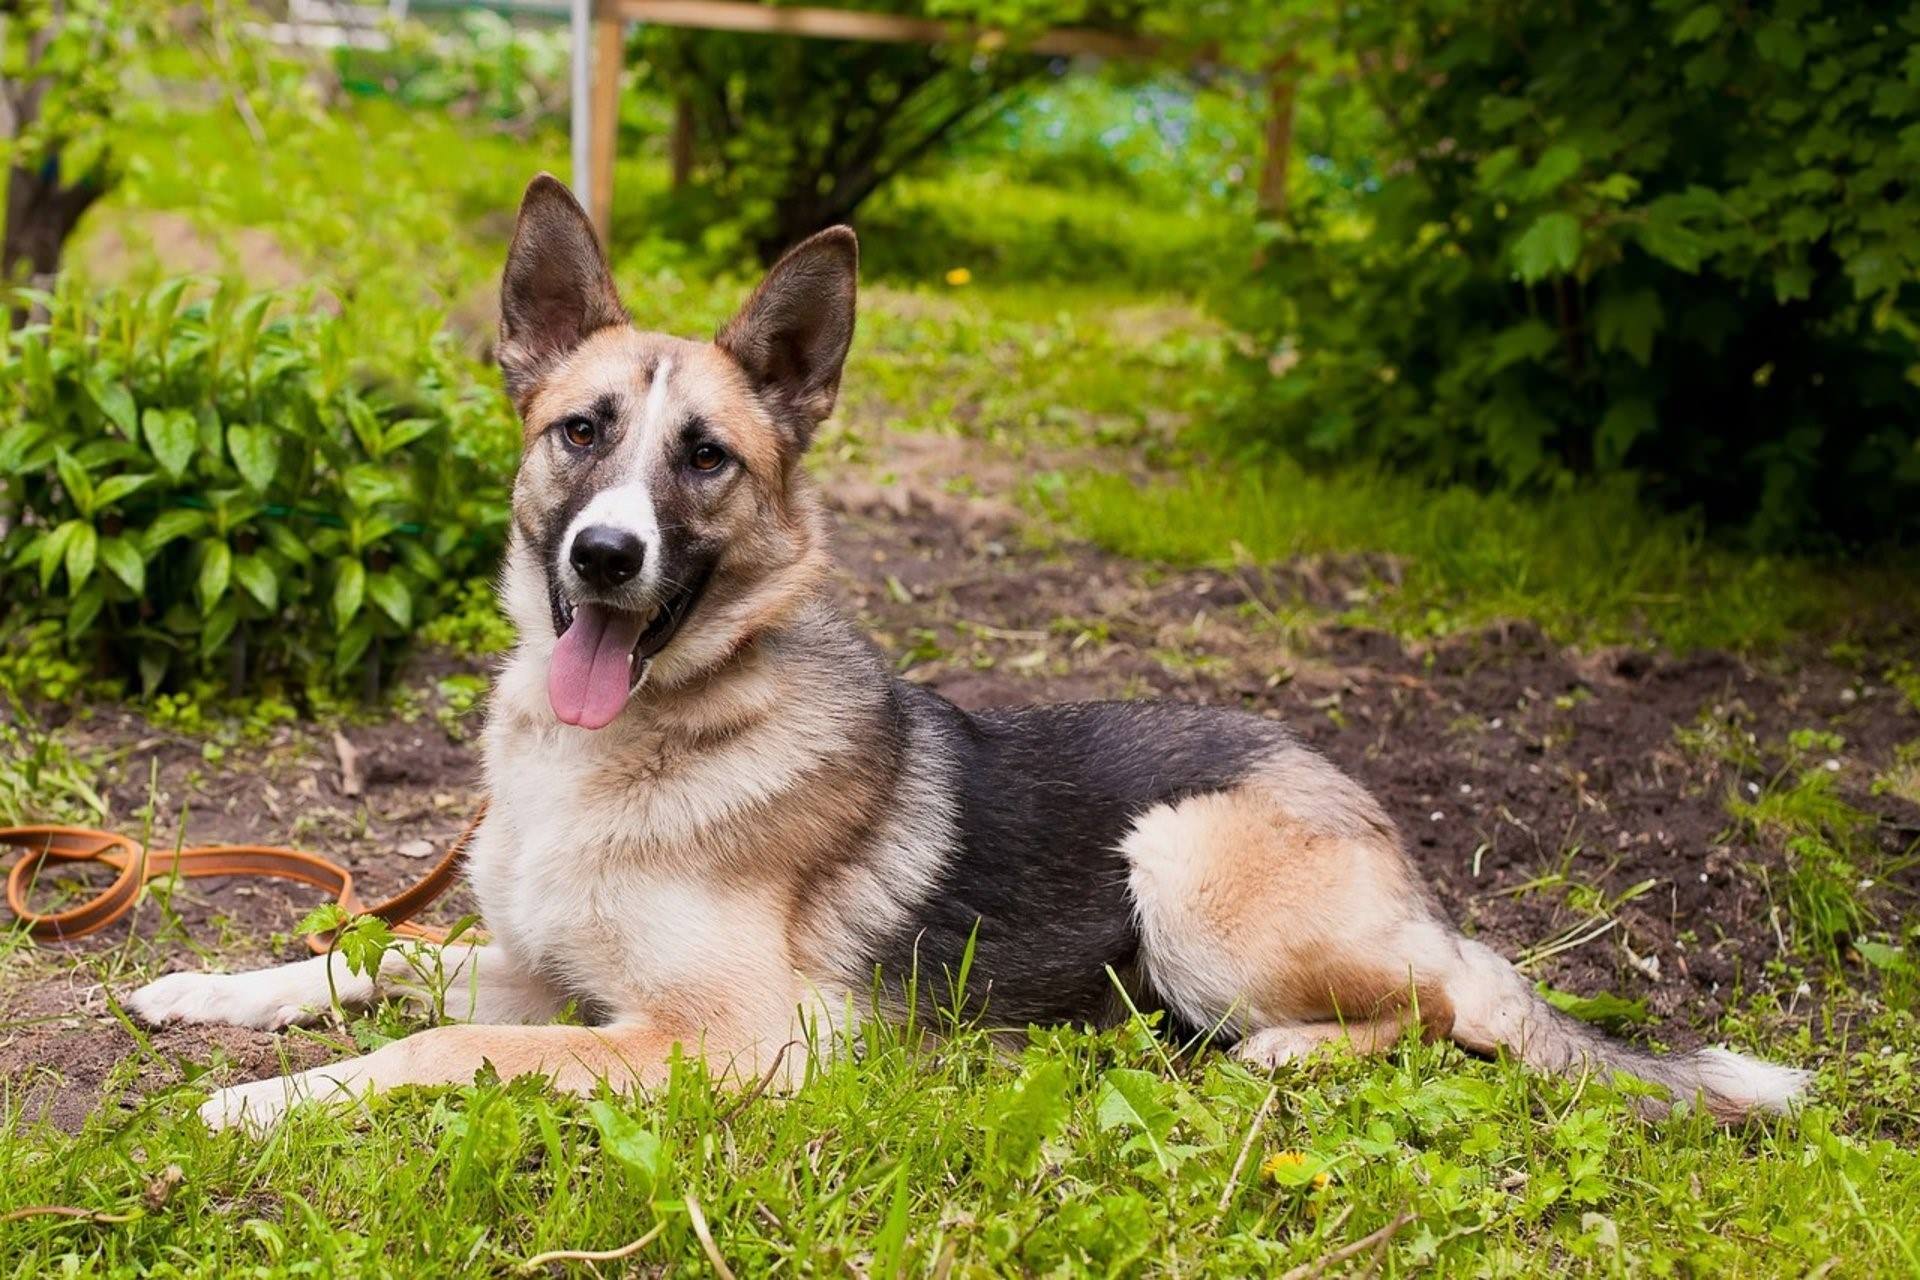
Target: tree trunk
x=41, y=214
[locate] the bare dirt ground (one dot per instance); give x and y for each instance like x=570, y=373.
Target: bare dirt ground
x=1504, y=759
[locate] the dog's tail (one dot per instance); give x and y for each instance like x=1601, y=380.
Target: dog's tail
x=1495, y=1007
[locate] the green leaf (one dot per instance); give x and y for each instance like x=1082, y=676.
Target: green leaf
x=1606, y=1009
x=1026, y=1114
x=634, y=1146
x=392, y=597
x=368, y=485
x=324, y=918
x=170, y=435
x=419, y=559
x=1697, y=25
x=168, y=525
x=1558, y=163
x=1551, y=246
x=164, y=299
x=84, y=609
x=1670, y=230
x=75, y=480
x=366, y=427
x=1616, y=187
x=1528, y=340
x=54, y=550
x=1882, y=956
x=218, y=626
x=124, y=561
x=1498, y=114
x=257, y=578
x=216, y=569
x=288, y=543
x=256, y=454
x=1628, y=321
x=351, y=645
x=1779, y=43
x=249, y=315
x=154, y=660
x=15, y=443
x=1131, y=1099
x=1629, y=419
x=364, y=944
x=405, y=432
x=349, y=588
x=82, y=550
x=1792, y=283
x=115, y=403
x=114, y=488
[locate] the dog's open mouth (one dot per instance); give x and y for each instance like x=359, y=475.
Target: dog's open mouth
x=603, y=653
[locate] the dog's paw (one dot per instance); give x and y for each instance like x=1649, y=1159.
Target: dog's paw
x=1273, y=1047
x=265, y=1000
x=255, y=1107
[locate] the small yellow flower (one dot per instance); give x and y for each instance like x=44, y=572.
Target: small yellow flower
x=1289, y=1168
x=959, y=276
x=1281, y=1160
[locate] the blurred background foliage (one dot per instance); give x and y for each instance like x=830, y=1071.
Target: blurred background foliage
x=1539, y=268
x=1670, y=241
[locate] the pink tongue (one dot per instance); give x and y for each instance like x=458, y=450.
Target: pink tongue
x=590, y=676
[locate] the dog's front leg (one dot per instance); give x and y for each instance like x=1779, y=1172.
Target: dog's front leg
x=482, y=984
x=628, y=1056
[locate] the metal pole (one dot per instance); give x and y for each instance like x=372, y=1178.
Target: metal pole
x=580, y=128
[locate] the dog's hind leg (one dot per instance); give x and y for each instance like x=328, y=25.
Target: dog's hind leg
x=1286, y=916
x=480, y=984
x=1285, y=910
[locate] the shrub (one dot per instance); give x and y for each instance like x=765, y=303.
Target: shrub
x=206, y=485
x=1671, y=239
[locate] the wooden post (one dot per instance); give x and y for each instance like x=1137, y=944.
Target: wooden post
x=608, y=54
x=1283, y=81
x=680, y=146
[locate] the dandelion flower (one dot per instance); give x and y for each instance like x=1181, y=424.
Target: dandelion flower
x=959, y=276
x=1288, y=1167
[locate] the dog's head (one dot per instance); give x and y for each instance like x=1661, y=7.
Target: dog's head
x=661, y=513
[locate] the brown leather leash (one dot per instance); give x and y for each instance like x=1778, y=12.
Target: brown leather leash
x=139, y=865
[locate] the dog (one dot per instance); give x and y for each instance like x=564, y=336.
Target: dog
x=716, y=814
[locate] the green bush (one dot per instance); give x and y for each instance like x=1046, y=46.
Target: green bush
x=1674, y=240
x=211, y=487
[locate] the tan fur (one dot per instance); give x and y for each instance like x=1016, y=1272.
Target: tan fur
x=1286, y=901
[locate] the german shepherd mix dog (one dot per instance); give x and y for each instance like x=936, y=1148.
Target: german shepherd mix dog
x=716, y=814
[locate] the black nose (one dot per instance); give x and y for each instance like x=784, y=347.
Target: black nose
x=605, y=556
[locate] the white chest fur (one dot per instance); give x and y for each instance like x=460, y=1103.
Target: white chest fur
x=632, y=866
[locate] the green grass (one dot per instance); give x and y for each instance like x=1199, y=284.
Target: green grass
x=1591, y=567
x=1085, y=1154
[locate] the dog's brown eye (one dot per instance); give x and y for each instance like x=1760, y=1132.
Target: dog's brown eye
x=579, y=432
x=707, y=457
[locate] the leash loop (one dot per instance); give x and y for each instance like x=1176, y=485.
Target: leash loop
x=136, y=865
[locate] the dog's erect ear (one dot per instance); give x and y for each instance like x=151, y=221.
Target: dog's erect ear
x=556, y=290
x=793, y=333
